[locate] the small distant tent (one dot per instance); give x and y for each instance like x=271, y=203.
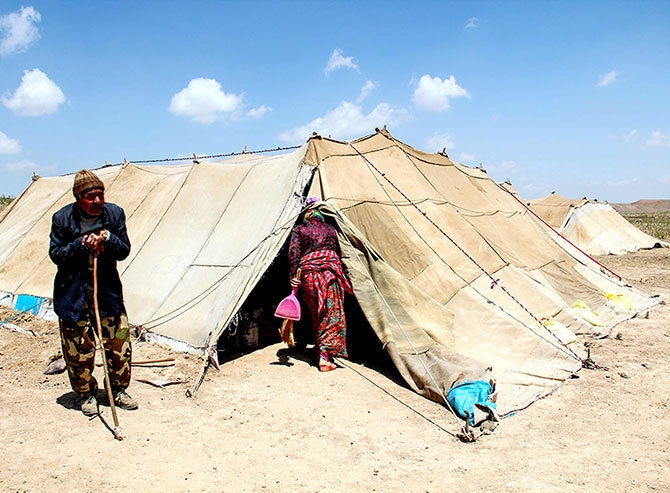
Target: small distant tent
x=455, y=277
x=595, y=227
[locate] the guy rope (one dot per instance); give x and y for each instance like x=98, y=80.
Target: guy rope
x=494, y=282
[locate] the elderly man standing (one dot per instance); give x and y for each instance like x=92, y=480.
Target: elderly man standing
x=80, y=231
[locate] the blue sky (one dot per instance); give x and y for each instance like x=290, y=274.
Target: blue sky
x=565, y=96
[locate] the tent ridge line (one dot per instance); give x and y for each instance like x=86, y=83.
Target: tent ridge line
x=211, y=156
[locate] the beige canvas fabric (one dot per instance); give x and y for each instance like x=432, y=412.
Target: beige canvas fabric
x=451, y=271
x=471, y=246
x=595, y=227
x=416, y=331
x=25, y=266
x=600, y=230
x=554, y=208
x=202, y=235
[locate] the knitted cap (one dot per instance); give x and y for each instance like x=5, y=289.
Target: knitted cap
x=86, y=180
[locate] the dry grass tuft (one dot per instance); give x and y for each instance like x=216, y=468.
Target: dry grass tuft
x=654, y=224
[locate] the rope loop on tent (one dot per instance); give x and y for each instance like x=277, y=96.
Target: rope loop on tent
x=453, y=242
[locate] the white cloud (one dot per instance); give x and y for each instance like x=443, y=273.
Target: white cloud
x=608, y=78
x=366, y=90
x=20, y=166
x=472, y=23
x=506, y=165
x=658, y=139
x=18, y=31
x=204, y=102
x=624, y=183
x=348, y=120
x=531, y=189
x=626, y=138
x=259, y=112
x=37, y=95
x=25, y=168
x=464, y=157
x=338, y=61
x=437, y=142
x=9, y=146
x=433, y=93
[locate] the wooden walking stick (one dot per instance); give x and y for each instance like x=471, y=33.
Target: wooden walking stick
x=108, y=384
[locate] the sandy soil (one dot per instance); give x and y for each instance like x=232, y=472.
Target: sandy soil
x=270, y=422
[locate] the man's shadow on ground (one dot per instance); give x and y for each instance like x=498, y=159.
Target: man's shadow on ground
x=72, y=401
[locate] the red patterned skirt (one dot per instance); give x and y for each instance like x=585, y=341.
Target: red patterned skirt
x=323, y=288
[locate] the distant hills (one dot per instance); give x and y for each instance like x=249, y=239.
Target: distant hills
x=643, y=206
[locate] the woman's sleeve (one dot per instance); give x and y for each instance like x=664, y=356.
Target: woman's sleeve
x=294, y=253
x=334, y=240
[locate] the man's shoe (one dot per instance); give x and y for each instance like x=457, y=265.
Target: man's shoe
x=89, y=406
x=124, y=401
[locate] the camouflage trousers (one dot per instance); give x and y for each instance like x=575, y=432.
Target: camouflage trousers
x=78, y=343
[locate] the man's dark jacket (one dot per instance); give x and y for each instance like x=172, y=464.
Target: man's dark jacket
x=74, y=275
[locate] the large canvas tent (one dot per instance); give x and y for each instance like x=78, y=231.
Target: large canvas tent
x=454, y=276
x=595, y=227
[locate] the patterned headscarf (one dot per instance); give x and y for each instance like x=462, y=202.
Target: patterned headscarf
x=312, y=214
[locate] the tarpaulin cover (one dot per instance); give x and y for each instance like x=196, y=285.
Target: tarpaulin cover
x=452, y=272
x=595, y=227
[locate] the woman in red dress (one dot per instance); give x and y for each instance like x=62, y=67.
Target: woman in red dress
x=315, y=249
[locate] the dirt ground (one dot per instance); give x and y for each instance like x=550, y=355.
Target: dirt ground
x=271, y=422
